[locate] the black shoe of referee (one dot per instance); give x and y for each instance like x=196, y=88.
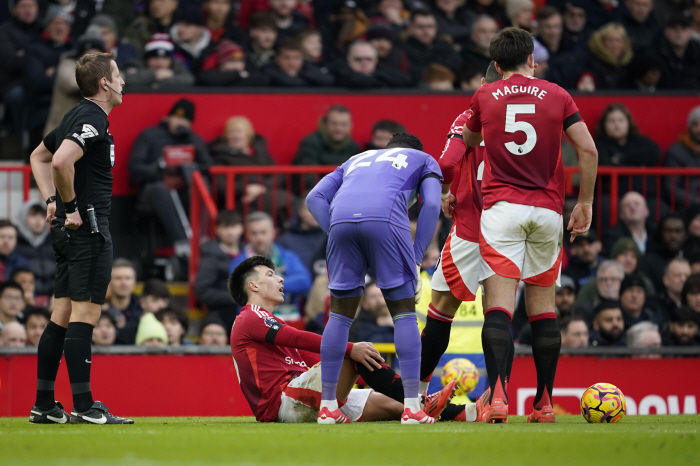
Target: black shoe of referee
x=98, y=414
x=55, y=415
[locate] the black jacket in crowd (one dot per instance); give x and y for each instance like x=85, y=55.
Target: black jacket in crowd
x=15, y=37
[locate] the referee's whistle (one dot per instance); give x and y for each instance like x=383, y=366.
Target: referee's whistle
x=92, y=219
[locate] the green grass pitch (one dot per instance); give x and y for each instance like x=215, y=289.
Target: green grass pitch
x=636, y=440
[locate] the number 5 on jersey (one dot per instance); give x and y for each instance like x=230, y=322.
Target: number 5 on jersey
x=513, y=126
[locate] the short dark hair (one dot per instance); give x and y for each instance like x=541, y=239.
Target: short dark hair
x=564, y=322
x=242, y=273
x=606, y=304
x=290, y=43
x=35, y=311
x=108, y=316
x=388, y=125
x=90, y=68
x=11, y=284
x=406, y=140
x=691, y=285
x=492, y=75
x=178, y=314
x=421, y=12
x=547, y=12
x=212, y=319
x=511, y=47
x=338, y=109
x=684, y=314
x=4, y=223
x=633, y=129
x=155, y=287
x=262, y=19
x=18, y=270
x=36, y=209
x=228, y=218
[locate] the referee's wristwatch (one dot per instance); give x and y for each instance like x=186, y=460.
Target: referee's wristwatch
x=50, y=199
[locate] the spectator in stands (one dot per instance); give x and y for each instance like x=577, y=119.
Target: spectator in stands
x=685, y=153
x=644, y=73
x=626, y=252
x=641, y=24
x=35, y=320
x=122, y=51
x=619, y=144
x=438, y=78
x=345, y=24
x=105, y=332
x=690, y=295
x=66, y=93
x=574, y=332
x=159, y=18
x=675, y=275
x=453, y=20
x=11, y=302
x=176, y=325
x=290, y=70
x=582, y=267
x=576, y=27
x=288, y=20
x=373, y=321
x=610, y=53
x=634, y=214
x=691, y=218
x=121, y=301
x=678, y=56
x=151, y=332
x=644, y=334
x=263, y=35
x=26, y=279
x=360, y=70
x=602, y=12
x=311, y=45
x=390, y=14
x=476, y=51
x=633, y=298
x=492, y=8
x=607, y=283
x=41, y=61
x=192, y=39
x=13, y=335
x=423, y=47
x=668, y=244
x=382, y=131
x=565, y=296
x=213, y=332
x=162, y=160
x=158, y=69
x=519, y=13
x=682, y=329
x=564, y=64
x=211, y=282
x=16, y=34
x=608, y=325
x=227, y=66
x=155, y=296
x=34, y=244
x=695, y=19
x=220, y=21
x=469, y=77
x=10, y=258
x=304, y=236
x=388, y=54
x=331, y=144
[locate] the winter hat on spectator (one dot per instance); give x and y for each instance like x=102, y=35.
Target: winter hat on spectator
x=192, y=14
x=92, y=39
x=566, y=282
x=694, y=116
x=211, y=319
x=379, y=32
x=623, y=245
x=159, y=45
x=150, y=327
x=57, y=11
x=632, y=280
x=183, y=108
x=105, y=21
x=228, y=50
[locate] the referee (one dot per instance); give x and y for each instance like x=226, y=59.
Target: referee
x=77, y=158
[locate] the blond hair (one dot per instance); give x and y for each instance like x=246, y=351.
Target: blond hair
x=241, y=120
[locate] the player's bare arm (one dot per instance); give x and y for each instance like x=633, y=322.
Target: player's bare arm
x=63, y=165
x=470, y=138
x=588, y=167
x=40, y=160
x=447, y=200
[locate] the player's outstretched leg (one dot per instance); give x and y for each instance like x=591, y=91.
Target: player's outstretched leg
x=333, y=346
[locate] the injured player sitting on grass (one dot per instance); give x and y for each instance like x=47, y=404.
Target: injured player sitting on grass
x=279, y=368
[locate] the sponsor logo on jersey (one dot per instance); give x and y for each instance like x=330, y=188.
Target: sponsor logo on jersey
x=89, y=131
x=272, y=323
x=80, y=140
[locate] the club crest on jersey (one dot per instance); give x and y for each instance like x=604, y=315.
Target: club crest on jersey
x=89, y=131
x=111, y=154
x=272, y=323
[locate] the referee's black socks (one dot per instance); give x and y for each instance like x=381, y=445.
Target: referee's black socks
x=49, y=355
x=78, y=351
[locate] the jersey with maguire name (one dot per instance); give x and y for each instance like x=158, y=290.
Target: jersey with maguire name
x=264, y=369
x=468, y=164
x=522, y=120
x=380, y=185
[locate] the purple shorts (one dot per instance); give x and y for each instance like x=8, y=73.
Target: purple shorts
x=381, y=249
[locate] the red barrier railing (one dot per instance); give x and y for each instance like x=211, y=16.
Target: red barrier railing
x=203, y=223
x=26, y=175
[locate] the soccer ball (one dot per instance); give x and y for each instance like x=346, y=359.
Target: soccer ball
x=464, y=372
x=603, y=402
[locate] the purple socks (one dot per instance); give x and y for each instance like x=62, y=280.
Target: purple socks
x=333, y=345
x=408, y=348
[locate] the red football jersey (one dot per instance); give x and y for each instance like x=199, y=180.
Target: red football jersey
x=469, y=165
x=522, y=120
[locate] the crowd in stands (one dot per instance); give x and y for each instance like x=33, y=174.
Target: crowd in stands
x=441, y=45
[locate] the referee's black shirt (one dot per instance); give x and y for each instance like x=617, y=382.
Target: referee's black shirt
x=86, y=124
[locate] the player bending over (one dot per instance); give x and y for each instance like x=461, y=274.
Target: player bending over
x=273, y=360
x=522, y=119
x=363, y=206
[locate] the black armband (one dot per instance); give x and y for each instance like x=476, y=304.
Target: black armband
x=71, y=206
x=272, y=332
x=50, y=199
x=571, y=119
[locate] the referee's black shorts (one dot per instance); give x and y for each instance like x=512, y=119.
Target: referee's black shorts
x=83, y=262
